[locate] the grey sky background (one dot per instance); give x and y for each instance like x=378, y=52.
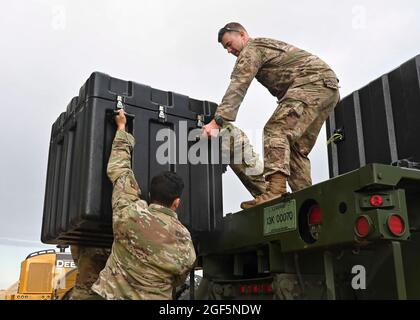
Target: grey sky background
x=49, y=48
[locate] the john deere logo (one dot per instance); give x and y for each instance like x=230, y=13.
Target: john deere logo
x=65, y=261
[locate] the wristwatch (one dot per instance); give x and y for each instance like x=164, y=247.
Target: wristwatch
x=219, y=120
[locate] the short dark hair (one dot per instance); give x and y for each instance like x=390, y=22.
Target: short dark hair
x=165, y=188
x=230, y=27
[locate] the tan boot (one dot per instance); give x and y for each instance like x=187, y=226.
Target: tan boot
x=248, y=204
x=276, y=188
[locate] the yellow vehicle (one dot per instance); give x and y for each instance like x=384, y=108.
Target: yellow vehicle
x=46, y=275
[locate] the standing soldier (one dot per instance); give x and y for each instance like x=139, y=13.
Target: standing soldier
x=152, y=252
x=307, y=91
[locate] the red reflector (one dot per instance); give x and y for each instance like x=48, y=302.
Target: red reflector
x=268, y=288
x=362, y=226
x=255, y=288
x=396, y=225
x=315, y=215
x=376, y=200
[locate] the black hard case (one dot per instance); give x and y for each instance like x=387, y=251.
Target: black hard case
x=380, y=122
x=77, y=204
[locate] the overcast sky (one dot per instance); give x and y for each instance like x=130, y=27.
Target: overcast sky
x=49, y=48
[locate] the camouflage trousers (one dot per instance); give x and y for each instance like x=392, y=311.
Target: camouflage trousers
x=292, y=130
x=242, y=159
x=90, y=261
x=289, y=136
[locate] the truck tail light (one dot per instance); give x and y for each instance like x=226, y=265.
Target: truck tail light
x=363, y=226
x=315, y=215
x=396, y=225
x=376, y=200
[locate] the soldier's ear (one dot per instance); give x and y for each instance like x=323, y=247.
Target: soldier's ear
x=175, y=204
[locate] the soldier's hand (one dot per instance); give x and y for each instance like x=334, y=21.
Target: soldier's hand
x=120, y=120
x=211, y=130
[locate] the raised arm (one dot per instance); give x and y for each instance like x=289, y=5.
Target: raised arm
x=126, y=190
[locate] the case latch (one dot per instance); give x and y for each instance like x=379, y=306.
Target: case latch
x=162, y=114
x=120, y=104
x=200, y=120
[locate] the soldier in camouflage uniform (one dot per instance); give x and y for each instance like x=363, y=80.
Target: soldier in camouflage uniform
x=152, y=251
x=90, y=261
x=307, y=91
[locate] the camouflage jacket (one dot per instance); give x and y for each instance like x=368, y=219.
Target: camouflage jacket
x=278, y=66
x=152, y=251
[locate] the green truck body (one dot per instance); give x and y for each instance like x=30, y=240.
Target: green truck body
x=351, y=237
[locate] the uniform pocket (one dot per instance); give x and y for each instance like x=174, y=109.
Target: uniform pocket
x=297, y=94
x=286, y=116
x=306, y=80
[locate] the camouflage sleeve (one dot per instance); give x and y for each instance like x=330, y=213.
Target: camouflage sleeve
x=191, y=257
x=126, y=190
x=247, y=66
